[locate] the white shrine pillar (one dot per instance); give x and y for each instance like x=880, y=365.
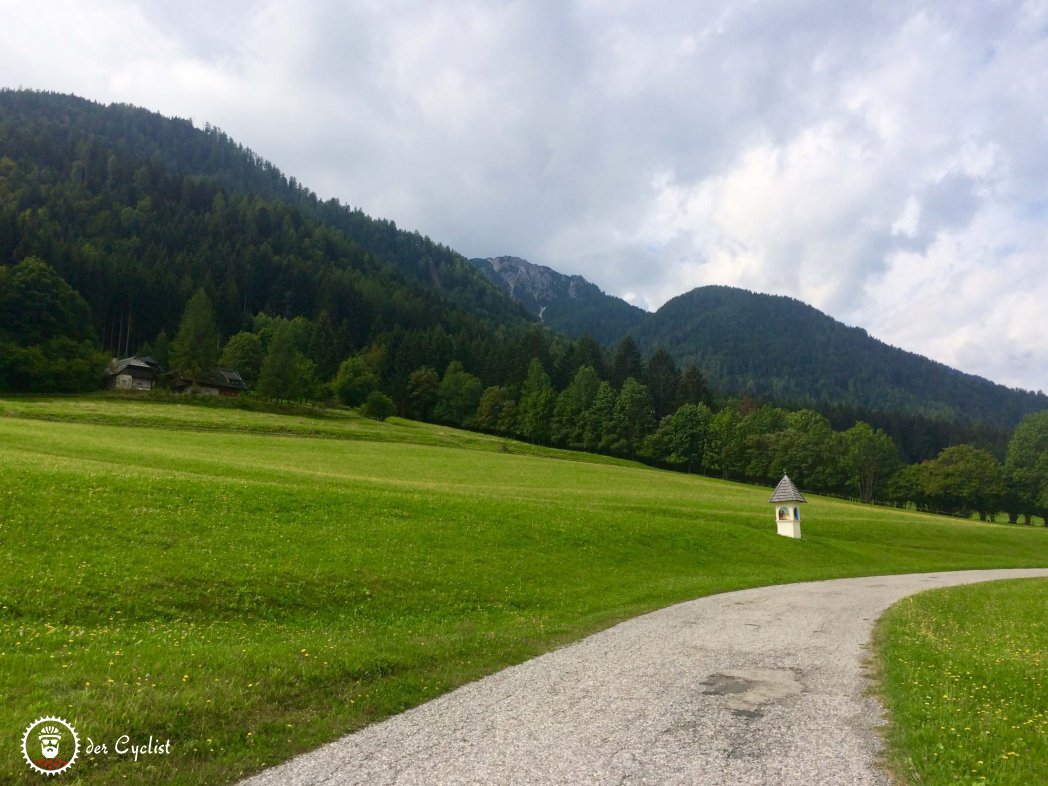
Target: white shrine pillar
x=786, y=499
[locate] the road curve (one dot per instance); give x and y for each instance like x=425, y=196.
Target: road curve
x=763, y=686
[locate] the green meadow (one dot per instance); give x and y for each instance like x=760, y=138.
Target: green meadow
x=250, y=585
x=964, y=674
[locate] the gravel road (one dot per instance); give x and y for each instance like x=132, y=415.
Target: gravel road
x=762, y=686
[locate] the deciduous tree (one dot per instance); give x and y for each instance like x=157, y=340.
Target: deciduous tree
x=681, y=437
x=458, y=395
x=355, y=381
x=423, y=384
x=1026, y=464
x=872, y=458
x=47, y=342
x=244, y=353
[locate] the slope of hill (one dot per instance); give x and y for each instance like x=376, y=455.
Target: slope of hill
x=778, y=347
x=133, y=208
x=765, y=345
x=567, y=304
x=310, y=575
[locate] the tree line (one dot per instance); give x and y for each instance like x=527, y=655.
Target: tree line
x=574, y=395
x=532, y=385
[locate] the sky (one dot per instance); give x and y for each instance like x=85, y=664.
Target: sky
x=886, y=162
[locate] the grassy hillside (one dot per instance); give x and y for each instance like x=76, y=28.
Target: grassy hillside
x=965, y=678
x=249, y=584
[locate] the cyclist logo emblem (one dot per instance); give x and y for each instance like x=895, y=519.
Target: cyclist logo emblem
x=50, y=745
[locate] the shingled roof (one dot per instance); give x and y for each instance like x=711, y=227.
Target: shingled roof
x=134, y=366
x=787, y=492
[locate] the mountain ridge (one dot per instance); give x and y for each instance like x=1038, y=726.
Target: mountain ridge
x=117, y=142
x=566, y=303
x=775, y=347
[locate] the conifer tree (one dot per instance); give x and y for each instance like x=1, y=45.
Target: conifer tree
x=537, y=399
x=693, y=388
x=598, y=416
x=280, y=378
x=194, y=350
x=632, y=419
x=662, y=379
x=568, y=423
x=627, y=363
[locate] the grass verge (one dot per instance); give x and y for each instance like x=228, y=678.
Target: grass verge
x=250, y=585
x=964, y=674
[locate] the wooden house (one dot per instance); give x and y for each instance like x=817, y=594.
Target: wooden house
x=215, y=382
x=134, y=373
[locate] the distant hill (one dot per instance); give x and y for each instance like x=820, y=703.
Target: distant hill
x=566, y=304
x=117, y=144
x=775, y=346
x=136, y=211
x=766, y=346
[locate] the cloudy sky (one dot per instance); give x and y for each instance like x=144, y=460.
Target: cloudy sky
x=886, y=162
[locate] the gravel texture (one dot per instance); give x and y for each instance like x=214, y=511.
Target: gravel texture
x=763, y=686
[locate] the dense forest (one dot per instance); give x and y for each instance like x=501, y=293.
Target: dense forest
x=781, y=348
x=135, y=211
x=122, y=232
x=748, y=343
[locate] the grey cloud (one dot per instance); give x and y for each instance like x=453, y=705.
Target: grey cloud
x=948, y=203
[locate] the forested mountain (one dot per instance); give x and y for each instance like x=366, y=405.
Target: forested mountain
x=48, y=124
x=779, y=348
x=767, y=346
x=136, y=211
x=567, y=304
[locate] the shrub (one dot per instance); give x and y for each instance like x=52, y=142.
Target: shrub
x=379, y=406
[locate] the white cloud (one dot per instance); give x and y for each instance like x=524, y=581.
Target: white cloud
x=971, y=300
x=886, y=162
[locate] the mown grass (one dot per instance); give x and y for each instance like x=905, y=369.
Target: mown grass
x=251, y=584
x=964, y=673
x=207, y=413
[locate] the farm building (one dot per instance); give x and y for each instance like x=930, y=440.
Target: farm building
x=215, y=382
x=134, y=373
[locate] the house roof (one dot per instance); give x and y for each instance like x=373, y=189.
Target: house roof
x=787, y=492
x=216, y=377
x=133, y=365
x=231, y=378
